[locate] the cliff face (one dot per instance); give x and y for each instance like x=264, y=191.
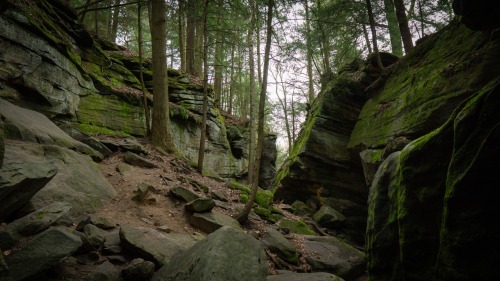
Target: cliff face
x=50, y=64
x=418, y=144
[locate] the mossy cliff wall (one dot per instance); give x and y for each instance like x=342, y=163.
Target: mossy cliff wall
x=433, y=117
x=49, y=63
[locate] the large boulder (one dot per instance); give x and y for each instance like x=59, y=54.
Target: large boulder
x=22, y=175
x=153, y=245
x=227, y=254
x=28, y=125
x=44, y=251
x=211, y=221
x=4, y=270
x=78, y=182
x=267, y=170
x=278, y=244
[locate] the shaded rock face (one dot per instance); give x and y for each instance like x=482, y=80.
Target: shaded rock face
x=49, y=63
x=320, y=166
x=267, y=170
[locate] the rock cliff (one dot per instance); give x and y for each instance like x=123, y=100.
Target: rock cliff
x=50, y=64
x=412, y=145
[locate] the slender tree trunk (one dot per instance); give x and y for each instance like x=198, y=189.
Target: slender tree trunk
x=198, y=51
x=374, y=33
x=109, y=18
x=394, y=33
x=421, y=12
x=84, y=12
x=218, y=58
x=253, y=99
x=259, y=63
x=141, y=75
x=160, y=134
x=231, y=85
x=285, y=110
x=294, y=118
x=403, y=25
x=182, y=32
x=190, y=36
x=325, y=42
x=243, y=216
x=309, y=54
x=367, y=38
x=201, y=151
x=116, y=17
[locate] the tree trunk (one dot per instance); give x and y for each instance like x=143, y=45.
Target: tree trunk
x=325, y=43
x=231, y=85
x=253, y=99
x=243, y=216
x=403, y=25
x=367, y=38
x=160, y=134
x=116, y=17
x=394, y=33
x=309, y=55
x=182, y=32
x=374, y=33
x=198, y=50
x=190, y=36
x=141, y=75
x=201, y=151
x=218, y=58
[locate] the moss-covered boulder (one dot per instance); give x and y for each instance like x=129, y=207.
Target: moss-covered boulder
x=295, y=226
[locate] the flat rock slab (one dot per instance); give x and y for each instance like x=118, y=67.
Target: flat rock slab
x=227, y=254
x=22, y=175
x=32, y=224
x=138, y=270
x=153, y=245
x=86, y=139
x=210, y=222
x=44, y=251
x=200, y=205
x=278, y=244
x=183, y=193
x=28, y=125
x=136, y=160
x=315, y=276
x=334, y=256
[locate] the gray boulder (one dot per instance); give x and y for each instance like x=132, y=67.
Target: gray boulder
x=112, y=243
x=136, y=160
x=200, y=205
x=184, y=193
x=86, y=139
x=78, y=182
x=32, y=224
x=334, y=256
x=278, y=244
x=28, y=125
x=96, y=235
x=227, y=254
x=315, y=276
x=104, y=272
x=4, y=270
x=44, y=251
x=138, y=270
x=22, y=175
x=329, y=217
x=210, y=222
x=153, y=245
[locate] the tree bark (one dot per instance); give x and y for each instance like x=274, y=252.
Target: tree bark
x=160, y=134
x=394, y=33
x=309, y=54
x=231, y=85
x=116, y=17
x=403, y=25
x=182, y=32
x=253, y=99
x=190, y=36
x=374, y=33
x=243, y=216
x=141, y=74
x=325, y=43
x=218, y=58
x=201, y=151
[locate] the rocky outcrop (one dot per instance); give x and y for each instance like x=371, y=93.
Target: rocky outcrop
x=216, y=258
x=320, y=167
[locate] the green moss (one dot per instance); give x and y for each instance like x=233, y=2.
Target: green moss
x=262, y=212
x=243, y=198
x=297, y=227
x=264, y=198
x=239, y=186
x=97, y=130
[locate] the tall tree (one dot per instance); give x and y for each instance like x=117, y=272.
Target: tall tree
x=374, y=33
x=243, y=216
x=182, y=31
x=201, y=150
x=253, y=99
x=116, y=16
x=191, y=36
x=403, y=25
x=309, y=54
x=141, y=74
x=160, y=130
x=394, y=33
x=218, y=54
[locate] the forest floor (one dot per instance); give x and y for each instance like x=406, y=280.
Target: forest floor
x=162, y=210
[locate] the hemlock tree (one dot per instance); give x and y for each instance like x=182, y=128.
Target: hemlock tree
x=160, y=130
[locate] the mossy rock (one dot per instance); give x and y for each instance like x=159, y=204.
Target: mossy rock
x=239, y=186
x=262, y=212
x=264, y=198
x=297, y=227
x=243, y=198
